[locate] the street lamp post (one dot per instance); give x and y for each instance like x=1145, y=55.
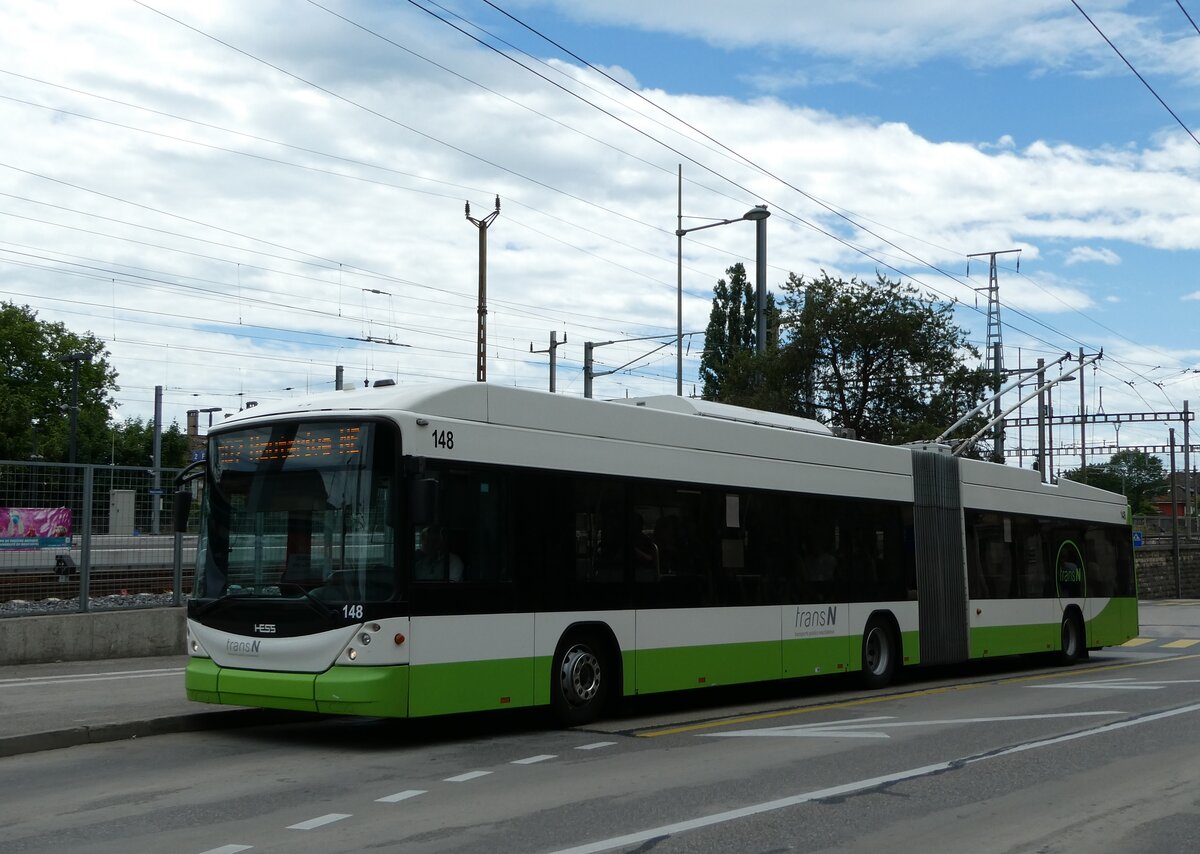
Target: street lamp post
x=758, y=215
x=73, y=360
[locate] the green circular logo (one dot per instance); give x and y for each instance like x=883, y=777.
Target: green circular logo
x=1069, y=577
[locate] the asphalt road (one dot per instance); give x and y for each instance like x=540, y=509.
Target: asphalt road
x=1014, y=757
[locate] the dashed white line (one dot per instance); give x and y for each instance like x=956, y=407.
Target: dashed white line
x=228, y=849
x=319, y=821
x=530, y=760
x=470, y=775
x=595, y=745
x=400, y=796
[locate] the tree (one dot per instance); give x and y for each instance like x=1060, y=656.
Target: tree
x=133, y=444
x=884, y=360
x=1135, y=474
x=731, y=370
x=35, y=386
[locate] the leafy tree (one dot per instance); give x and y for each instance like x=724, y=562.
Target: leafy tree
x=133, y=444
x=730, y=368
x=35, y=387
x=884, y=360
x=1135, y=474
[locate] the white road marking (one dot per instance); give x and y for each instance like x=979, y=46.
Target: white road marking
x=595, y=745
x=63, y=679
x=867, y=727
x=857, y=786
x=529, y=760
x=400, y=796
x=1124, y=684
x=470, y=775
x=320, y=821
x=228, y=849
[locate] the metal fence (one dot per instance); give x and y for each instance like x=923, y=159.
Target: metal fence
x=83, y=537
x=1159, y=527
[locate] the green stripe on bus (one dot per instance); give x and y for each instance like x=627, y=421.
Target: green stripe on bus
x=696, y=666
x=1115, y=624
x=990, y=641
x=471, y=686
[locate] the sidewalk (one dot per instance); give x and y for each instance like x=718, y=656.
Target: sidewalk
x=48, y=706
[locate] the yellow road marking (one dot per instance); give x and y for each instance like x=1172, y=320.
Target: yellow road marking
x=1181, y=644
x=928, y=692
x=1138, y=642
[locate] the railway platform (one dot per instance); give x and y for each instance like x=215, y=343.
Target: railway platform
x=69, y=703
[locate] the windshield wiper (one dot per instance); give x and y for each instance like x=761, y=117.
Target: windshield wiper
x=317, y=604
x=222, y=599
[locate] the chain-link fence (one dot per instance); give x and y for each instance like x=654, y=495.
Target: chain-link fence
x=79, y=537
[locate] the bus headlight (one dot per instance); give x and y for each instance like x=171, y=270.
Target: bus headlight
x=352, y=653
x=365, y=638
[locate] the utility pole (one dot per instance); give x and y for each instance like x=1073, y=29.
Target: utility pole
x=155, y=495
x=1041, y=425
x=553, y=351
x=1082, y=426
x=481, y=348
x=994, y=348
x=1175, y=522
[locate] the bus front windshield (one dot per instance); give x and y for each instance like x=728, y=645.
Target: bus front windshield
x=300, y=509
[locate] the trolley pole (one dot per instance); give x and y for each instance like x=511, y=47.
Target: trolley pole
x=481, y=344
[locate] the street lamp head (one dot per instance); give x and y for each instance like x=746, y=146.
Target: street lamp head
x=756, y=213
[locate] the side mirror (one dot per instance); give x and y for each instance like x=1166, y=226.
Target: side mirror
x=183, y=506
x=423, y=501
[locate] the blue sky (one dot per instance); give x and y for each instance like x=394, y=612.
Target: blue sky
x=279, y=169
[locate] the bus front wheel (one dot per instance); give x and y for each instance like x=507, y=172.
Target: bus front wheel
x=580, y=680
x=880, y=655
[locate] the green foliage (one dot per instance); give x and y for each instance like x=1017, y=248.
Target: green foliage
x=730, y=368
x=1135, y=474
x=884, y=360
x=133, y=444
x=35, y=387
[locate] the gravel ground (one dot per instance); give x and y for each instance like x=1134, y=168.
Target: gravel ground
x=116, y=602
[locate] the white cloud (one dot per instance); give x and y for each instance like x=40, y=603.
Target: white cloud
x=1089, y=254
x=269, y=273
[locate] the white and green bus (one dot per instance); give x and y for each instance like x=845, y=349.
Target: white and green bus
x=435, y=549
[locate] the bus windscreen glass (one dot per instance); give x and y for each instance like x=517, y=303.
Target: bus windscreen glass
x=300, y=509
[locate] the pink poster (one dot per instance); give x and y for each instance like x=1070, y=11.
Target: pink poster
x=34, y=527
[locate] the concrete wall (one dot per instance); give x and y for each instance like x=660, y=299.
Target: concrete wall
x=84, y=637
x=1156, y=571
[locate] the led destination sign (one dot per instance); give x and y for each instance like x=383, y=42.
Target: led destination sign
x=317, y=444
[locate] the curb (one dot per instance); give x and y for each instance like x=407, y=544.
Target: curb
x=36, y=742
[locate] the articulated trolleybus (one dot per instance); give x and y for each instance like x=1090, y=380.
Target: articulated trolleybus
x=450, y=548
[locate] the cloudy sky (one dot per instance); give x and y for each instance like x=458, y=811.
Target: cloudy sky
x=236, y=197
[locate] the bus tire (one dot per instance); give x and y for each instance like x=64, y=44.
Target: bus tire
x=880, y=654
x=1074, y=641
x=581, y=679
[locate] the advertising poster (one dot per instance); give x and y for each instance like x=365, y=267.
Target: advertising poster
x=34, y=527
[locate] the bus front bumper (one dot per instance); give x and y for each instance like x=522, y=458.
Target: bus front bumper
x=340, y=690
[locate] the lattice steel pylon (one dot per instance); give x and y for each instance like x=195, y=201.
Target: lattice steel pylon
x=993, y=357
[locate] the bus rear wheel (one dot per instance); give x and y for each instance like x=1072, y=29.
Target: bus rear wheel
x=580, y=680
x=880, y=655
x=1074, y=645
